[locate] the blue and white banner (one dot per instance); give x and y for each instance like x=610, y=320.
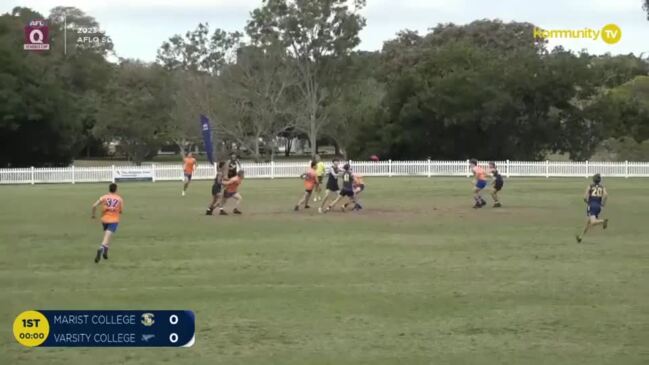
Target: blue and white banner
x=207, y=138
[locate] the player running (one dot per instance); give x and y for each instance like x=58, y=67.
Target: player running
x=217, y=186
x=348, y=189
x=479, y=183
x=320, y=172
x=189, y=166
x=332, y=183
x=112, y=207
x=310, y=178
x=498, y=183
x=232, y=192
x=595, y=199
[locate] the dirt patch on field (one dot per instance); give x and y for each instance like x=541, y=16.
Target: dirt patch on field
x=400, y=214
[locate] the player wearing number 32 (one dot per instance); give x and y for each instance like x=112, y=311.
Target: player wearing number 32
x=112, y=206
x=595, y=199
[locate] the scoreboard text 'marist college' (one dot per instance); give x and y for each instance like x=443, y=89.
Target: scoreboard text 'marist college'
x=53, y=328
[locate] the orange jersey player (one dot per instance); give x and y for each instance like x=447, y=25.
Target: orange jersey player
x=310, y=178
x=112, y=206
x=189, y=166
x=232, y=192
x=480, y=182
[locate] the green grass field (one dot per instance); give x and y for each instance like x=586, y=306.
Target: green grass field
x=417, y=278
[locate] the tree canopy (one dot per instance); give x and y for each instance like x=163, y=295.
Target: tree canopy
x=487, y=89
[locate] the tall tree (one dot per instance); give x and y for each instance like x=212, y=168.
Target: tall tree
x=312, y=31
x=480, y=90
x=135, y=110
x=256, y=92
x=47, y=99
x=199, y=51
x=195, y=59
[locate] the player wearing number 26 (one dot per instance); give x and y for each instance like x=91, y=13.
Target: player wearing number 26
x=595, y=199
x=112, y=206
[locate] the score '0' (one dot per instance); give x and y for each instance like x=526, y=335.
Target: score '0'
x=173, y=338
x=173, y=319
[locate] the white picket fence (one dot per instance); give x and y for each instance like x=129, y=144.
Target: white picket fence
x=271, y=170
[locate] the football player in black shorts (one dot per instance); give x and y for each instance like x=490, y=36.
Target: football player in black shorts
x=347, y=190
x=217, y=187
x=498, y=183
x=595, y=199
x=333, y=172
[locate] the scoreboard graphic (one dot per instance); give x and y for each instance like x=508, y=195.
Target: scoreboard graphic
x=115, y=328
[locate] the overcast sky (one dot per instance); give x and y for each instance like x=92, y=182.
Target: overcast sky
x=138, y=27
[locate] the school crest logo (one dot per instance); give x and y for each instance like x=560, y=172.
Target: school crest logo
x=147, y=319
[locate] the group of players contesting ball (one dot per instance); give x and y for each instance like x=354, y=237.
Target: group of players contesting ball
x=229, y=177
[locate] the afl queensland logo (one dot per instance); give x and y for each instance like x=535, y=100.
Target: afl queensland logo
x=147, y=319
x=36, y=36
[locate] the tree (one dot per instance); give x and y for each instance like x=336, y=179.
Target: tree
x=192, y=94
x=198, y=51
x=313, y=32
x=255, y=94
x=481, y=90
x=358, y=104
x=46, y=99
x=135, y=110
x=624, y=110
x=83, y=67
x=195, y=61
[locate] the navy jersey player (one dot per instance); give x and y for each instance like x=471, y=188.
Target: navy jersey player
x=347, y=190
x=498, y=183
x=332, y=175
x=595, y=199
x=217, y=186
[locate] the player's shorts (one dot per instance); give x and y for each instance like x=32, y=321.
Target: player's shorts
x=229, y=194
x=333, y=186
x=498, y=185
x=481, y=184
x=359, y=188
x=345, y=192
x=216, y=189
x=110, y=227
x=593, y=209
x=188, y=177
x=309, y=191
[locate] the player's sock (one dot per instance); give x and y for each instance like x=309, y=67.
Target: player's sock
x=105, y=250
x=476, y=202
x=297, y=207
x=605, y=224
x=98, y=255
